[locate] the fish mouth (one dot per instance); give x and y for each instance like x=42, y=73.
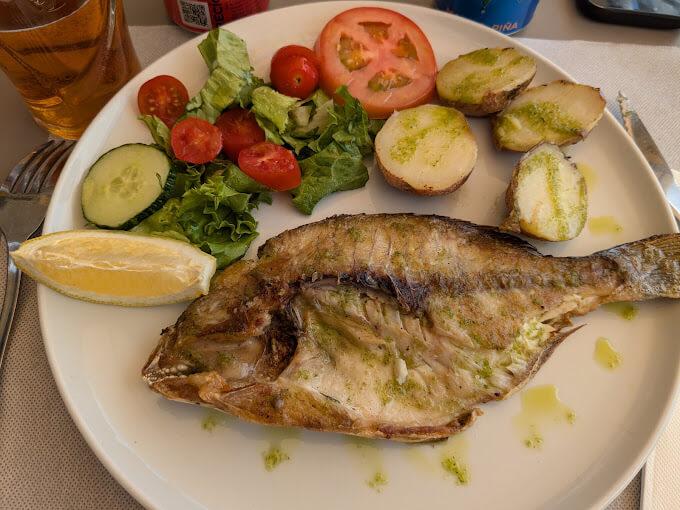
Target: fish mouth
x=152, y=371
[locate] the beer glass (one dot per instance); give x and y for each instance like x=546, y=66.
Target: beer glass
x=66, y=58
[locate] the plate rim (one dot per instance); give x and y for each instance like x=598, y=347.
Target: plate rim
x=94, y=443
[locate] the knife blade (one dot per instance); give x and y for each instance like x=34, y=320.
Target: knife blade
x=638, y=132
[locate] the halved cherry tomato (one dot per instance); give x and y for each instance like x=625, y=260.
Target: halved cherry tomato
x=294, y=49
x=163, y=96
x=239, y=130
x=195, y=140
x=382, y=56
x=294, y=75
x=272, y=165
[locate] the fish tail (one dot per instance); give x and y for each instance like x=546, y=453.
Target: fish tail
x=650, y=268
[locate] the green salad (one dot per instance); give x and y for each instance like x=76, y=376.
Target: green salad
x=211, y=204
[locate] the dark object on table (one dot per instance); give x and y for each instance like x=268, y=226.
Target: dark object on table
x=644, y=13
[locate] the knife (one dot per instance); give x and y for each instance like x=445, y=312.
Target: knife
x=638, y=132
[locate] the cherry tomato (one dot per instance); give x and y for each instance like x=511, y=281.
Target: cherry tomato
x=195, y=140
x=272, y=165
x=294, y=75
x=163, y=96
x=294, y=49
x=239, y=130
x=383, y=57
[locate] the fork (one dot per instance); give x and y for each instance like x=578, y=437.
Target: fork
x=24, y=197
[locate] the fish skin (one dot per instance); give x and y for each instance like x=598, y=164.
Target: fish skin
x=390, y=326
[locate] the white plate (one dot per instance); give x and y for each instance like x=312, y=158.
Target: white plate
x=158, y=449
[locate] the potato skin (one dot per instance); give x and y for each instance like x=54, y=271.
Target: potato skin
x=511, y=223
x=491, y=103
x=399, y=183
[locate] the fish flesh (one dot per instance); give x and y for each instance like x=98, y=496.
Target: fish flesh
x=390, y=326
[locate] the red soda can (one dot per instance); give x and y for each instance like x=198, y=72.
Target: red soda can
x=204, y=15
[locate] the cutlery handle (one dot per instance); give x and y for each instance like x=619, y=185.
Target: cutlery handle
x=10, y=301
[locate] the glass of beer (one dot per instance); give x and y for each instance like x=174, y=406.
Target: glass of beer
x=66, y=58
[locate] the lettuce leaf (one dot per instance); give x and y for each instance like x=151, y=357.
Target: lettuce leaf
x=273, y=106
x=235, y=178
x=312, y=116
x=348, y=125
x=333, y=169
x=215, y=216
x=159, y=132
x=231, y=78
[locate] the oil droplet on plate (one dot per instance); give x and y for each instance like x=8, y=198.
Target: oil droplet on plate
x=453, y=459
x=625, y=310
x=541, y=408
x=277, y=452
x=368, y=453
x=420, y=457
x=273, y=457
x=212, y=419
x=605, y=355
x=378, y=481
x=601, y=225
x=589, y=174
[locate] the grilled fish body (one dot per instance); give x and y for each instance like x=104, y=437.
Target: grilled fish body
x=390, y=326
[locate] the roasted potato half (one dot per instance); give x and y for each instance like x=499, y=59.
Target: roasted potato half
x=558, y=112
x=484, y=81
x=428, y=150
x=547, y=197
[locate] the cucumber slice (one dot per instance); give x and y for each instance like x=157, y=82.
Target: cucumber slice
x=126, y=185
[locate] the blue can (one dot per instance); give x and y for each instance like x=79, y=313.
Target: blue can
x=506, y=16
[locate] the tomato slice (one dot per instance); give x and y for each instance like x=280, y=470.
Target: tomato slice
x=195, y=140
x=163, y=96
x=383, y=57
x=239, y=130
x=272, y=165
x=300, y=51
x=294, y=75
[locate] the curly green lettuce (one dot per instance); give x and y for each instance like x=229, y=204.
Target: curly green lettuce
x=231, y=80
x=214, y=215
x=333, y=169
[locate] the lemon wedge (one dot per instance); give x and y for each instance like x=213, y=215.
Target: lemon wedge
x=118, y=268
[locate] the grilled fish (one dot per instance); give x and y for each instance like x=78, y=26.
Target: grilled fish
x=390, y=326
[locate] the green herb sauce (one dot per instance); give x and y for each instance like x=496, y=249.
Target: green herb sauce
x=273, y=457
x=439, y=119
x=483, y=57
x=378, y=481
x=210, y=421
x=625, y=310
x=543, y=118
x=453, y=459
x=451, y=466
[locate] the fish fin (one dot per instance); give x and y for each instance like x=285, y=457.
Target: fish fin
x=650, y=268
x=558, y=337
